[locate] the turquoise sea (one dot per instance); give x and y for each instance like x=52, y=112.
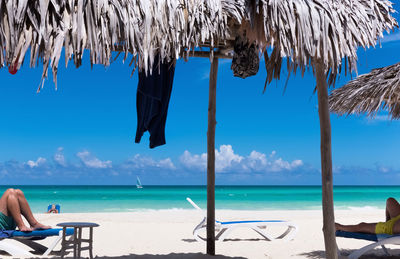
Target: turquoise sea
x=129, y=198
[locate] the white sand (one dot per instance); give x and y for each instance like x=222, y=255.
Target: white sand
x=168, y=234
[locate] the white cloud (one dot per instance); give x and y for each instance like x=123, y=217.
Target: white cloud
x=391, y=37
x=166, y=163
x=379, y=119
x=39, y=162
x=257, y=161
x=59, y=157
x=205, y=75
x=383, y=169
x=91, y=161
x=142, y=162
x=226, y=160
x=197, y=162
x=382, y=118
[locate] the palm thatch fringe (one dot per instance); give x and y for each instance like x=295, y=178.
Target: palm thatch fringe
x=331, y=30
x=298, y=29
x=370, y=93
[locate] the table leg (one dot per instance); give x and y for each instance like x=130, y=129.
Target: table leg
x=79, y=242
x=63, y=243
x=90, y=243
x=75, y=240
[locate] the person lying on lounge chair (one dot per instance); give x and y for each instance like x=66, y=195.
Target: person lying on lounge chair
x=53, y=208
x=390, y=226
x=13, y=205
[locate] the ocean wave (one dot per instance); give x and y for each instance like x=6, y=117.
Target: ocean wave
x=363, y=208
x=152, y=210
x=357, y=208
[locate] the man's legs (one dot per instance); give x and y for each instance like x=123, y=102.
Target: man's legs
x=3, y=202
x=27, y=212
x=9, y=205
x=392, y=208
x=13, y=203
x=362, y=227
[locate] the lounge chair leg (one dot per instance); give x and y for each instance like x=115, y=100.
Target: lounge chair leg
x=222, y=234
x=338, y=252
x=53, y=245
x=263, y=233
x=385, y=250
x=200, y=227
x=289, y=233
x=356, y=254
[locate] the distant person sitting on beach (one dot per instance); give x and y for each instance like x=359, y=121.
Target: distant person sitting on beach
x=53, y=208
x=390, y=226
x=13, y=205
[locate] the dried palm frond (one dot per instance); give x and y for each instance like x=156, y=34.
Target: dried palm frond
x=298, y=29
x=370, y=93
x=140, y=27
x=303, y=30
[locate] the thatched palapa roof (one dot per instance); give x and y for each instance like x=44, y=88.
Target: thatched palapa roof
x=370, y=93
x=298, y=29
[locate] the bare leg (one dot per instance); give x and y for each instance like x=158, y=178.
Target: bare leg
x=13, y=209
x=362, y=227
x=392, y=208
x=13, y=203
x=3, y=202
x=27, y=212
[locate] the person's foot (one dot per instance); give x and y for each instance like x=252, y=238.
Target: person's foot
x=24, y=228
x=40, y=226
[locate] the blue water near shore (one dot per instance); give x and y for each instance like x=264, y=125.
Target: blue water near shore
x=129, y=198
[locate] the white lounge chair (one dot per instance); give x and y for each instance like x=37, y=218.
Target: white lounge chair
x=379, y=240
x=224, y=228
x=29, y=239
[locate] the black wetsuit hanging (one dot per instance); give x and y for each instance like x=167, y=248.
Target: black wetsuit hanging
x=152, y=100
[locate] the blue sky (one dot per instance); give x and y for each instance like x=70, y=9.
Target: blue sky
x=83, y=133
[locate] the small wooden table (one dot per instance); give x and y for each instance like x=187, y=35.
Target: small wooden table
x=76, y=242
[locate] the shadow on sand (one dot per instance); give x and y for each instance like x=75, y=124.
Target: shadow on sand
x=319, y=254
x=168, y=256
x=231, y=239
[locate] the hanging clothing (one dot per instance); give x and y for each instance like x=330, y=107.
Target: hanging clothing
x=152, y=100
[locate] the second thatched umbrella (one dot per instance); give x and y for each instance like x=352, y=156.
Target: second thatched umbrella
x=369, y=93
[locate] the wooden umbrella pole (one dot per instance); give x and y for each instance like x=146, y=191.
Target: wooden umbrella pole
x=211, y=157
x=326, y=162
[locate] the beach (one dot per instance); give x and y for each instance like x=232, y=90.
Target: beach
x=157, y=221
x=168, y=233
